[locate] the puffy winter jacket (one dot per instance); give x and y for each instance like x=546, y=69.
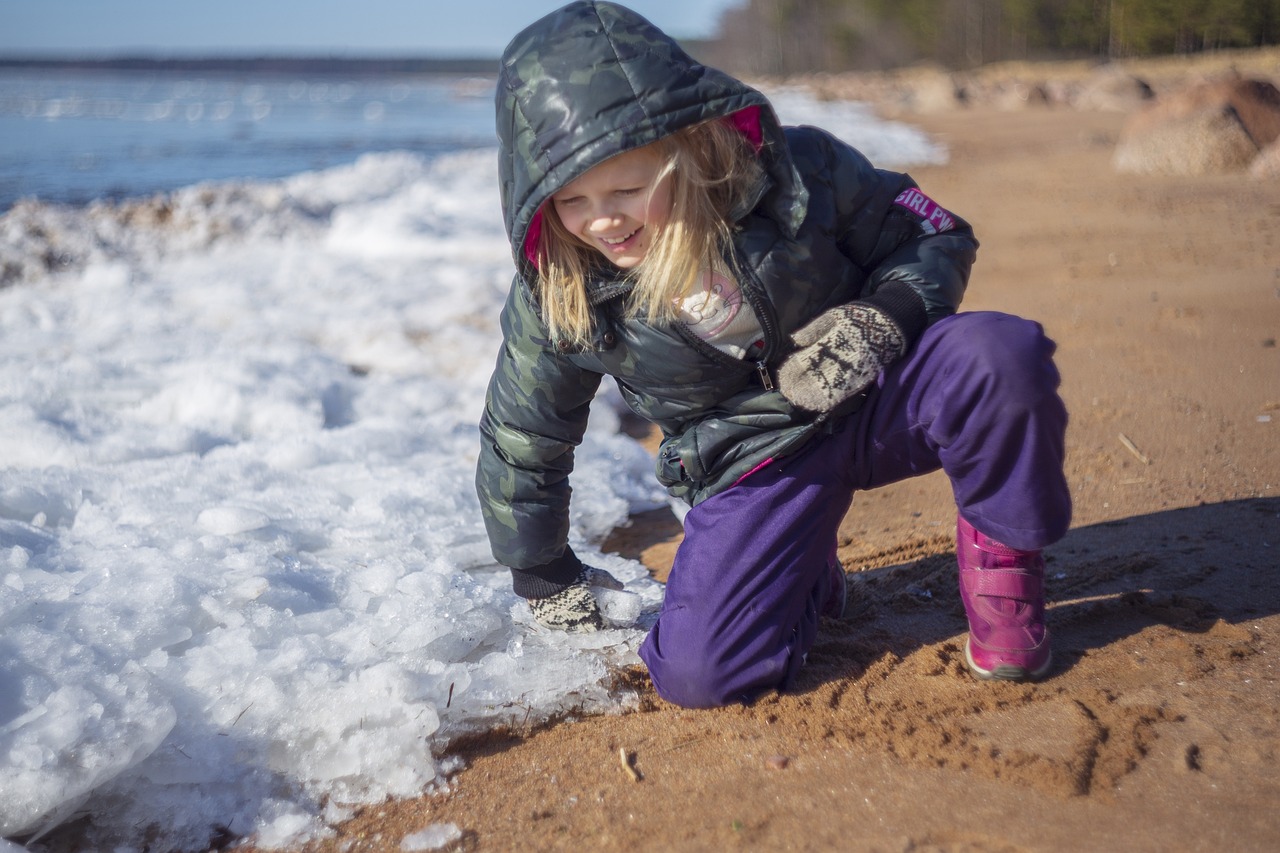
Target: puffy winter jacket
x=589, y=82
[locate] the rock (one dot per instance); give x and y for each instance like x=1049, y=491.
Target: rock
x=1208, y=142
x=1267, y=165
x=934, y=94
x=1018, y=94
x=1206, y=128
x=1255, y=101
x=927, y=89
x=1111, y=89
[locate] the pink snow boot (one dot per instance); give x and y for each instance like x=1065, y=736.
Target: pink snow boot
x=1003, y=593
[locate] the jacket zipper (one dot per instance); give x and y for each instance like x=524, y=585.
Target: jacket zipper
x=754, y=295
x=753, y=292
x=765, y=379
x=764, y=313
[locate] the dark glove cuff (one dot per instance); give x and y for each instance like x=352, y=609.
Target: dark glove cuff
x=548, y=578
x=903, y=305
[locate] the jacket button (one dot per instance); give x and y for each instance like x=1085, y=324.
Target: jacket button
x=610, y=339
x=563, y=345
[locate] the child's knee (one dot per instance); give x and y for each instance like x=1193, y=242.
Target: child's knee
x=688, y=682
x=1007, y=353
x=997, y=337
x=695, y=676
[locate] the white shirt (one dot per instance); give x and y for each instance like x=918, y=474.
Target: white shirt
x=716, y=312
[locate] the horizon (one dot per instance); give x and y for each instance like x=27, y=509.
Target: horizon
x=212, y=61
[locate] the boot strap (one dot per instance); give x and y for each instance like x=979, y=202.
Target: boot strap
x=1007, y=583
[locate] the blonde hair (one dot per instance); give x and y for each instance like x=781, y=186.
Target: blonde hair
x=713, y=170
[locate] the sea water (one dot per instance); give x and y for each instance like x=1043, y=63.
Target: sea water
x=75, y=136
x=244, y=583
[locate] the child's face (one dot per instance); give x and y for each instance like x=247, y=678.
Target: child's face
x=616, y=208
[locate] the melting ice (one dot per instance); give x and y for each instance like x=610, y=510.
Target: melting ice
x=244, y=585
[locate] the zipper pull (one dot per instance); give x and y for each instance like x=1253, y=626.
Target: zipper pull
x=765, y=379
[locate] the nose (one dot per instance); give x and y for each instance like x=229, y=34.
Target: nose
x=602, y=223
x=603, y=218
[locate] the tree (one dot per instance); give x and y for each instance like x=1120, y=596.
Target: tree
x=782, y=37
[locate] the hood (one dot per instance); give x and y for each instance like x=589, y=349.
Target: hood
x=595, y=79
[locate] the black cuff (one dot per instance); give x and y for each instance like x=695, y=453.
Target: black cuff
x=904, y=306
x=548, y=578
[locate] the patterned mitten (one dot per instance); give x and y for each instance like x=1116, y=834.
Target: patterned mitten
x=574, y=608
x=838, y=355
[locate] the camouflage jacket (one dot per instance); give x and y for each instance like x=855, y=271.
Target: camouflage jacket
x=593, y=80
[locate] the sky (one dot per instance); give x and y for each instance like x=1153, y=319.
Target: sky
x=312, y=27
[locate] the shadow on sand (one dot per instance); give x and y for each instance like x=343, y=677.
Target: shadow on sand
x=1187, y=569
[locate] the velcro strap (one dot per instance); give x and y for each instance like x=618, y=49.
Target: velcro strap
x=1004, y=583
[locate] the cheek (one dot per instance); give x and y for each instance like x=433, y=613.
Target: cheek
x=570, y=221
x=659, y=209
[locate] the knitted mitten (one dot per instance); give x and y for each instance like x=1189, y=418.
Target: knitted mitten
x=838, y=355
x=574, y=608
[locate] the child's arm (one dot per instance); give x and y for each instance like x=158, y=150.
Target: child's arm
x=885, y=225
x=917, y=256
x=535, y=416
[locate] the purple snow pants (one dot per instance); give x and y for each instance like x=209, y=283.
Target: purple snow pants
x=977, y=397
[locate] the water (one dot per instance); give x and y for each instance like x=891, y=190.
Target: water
x=244, y=582
x=75, y=136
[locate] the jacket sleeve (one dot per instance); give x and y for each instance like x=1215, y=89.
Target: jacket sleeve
x=535, y=416
x=917, y=255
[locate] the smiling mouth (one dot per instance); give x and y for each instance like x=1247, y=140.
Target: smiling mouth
x=619, y=242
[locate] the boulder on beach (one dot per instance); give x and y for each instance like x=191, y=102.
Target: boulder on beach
x=1208, y=142
x=1267, y=164
x=1206, y=128
x=1014, y=95
x=1111, y=89
x=930, y=90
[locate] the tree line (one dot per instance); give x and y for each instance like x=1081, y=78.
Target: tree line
x=799, y=36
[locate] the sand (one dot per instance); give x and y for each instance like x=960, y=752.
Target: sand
x=1159, y=728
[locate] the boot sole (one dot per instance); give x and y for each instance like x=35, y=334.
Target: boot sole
x=1006, y=671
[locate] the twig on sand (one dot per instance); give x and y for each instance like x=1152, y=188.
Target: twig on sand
x=626, y=759
x=1133, y=448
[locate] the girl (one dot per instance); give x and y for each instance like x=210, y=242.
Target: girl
x=785, y=313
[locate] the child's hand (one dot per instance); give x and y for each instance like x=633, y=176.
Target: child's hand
x=839, y=354
x=574, y=608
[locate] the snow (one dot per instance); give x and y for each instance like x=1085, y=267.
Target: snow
x=887, y=144
x=244, y=582
x=432, y=838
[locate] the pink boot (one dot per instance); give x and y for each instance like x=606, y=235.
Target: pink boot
x=1003, y=593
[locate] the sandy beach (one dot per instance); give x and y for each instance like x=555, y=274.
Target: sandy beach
x=1159, y=728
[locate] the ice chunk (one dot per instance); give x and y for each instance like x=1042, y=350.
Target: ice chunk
x=620, y=608
x=286, y=824
x=230, y=520
x=78, y=728
x=434, y=837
